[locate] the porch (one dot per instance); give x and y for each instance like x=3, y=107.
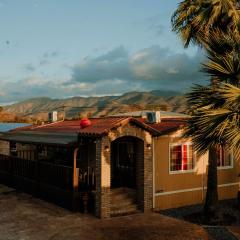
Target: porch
x=64, y=174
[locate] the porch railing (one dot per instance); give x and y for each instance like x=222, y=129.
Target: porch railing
x=87, y=179
x=48, y=173
x=57, y=175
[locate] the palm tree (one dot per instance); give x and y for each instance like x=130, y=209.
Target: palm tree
x=215, y=109
x=194, y=20
x=215, y=121
x=203, y=22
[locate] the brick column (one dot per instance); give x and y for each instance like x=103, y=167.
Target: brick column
x=148, y=178
x=103, y=178
x=144, y=174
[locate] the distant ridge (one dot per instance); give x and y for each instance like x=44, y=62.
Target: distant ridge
x=38, y=108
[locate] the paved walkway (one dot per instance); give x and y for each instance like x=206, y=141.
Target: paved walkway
x=23, y=217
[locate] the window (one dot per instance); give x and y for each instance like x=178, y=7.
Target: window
x=13, y=149
x=224, y=157
x=181, y=157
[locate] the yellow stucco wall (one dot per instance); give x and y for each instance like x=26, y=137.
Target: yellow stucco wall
x=181, y=189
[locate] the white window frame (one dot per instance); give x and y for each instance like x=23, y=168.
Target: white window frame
x=169, y=158
x=232, y=160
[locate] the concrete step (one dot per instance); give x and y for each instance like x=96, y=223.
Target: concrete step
x=123, y=204
x=131, y=209
x=121, y=197
x=122, y=190
x=123, y=201
x=122, y=193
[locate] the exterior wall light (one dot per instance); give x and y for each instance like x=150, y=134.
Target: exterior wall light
x=107, y=149
x=148, y=146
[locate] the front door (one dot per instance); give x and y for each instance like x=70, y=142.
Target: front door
x=123, y=164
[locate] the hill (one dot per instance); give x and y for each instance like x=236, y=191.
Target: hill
x=8, y=117
x=38, y=108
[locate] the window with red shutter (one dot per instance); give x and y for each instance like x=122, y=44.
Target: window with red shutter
x=181, y=157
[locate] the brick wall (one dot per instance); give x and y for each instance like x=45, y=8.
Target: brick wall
x=144, y=169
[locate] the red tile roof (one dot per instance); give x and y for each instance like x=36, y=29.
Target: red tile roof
x=101, y=126
x=169, y=125
x=98, y=126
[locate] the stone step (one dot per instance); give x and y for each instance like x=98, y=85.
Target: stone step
x=123, y=201
x=131, y=209
x=120, y=194
x=123, y=190
x=120, y=198
x=123, y=204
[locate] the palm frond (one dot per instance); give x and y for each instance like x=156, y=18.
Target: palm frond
x=216, y=117
x=203, y=17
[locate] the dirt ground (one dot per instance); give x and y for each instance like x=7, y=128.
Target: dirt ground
x=23, y=217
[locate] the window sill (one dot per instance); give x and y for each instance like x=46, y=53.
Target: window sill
x=181, y=171
x=227, y=167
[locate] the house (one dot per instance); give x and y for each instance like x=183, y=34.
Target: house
x=114, y=165
x=5, y=127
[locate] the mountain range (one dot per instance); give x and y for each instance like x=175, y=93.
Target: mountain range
x=75, y=107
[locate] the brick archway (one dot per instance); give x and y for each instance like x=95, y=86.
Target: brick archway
x=103, y=169
x=127, y=169
x=126, y=155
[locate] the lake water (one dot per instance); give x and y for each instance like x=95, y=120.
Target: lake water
x=4, y=127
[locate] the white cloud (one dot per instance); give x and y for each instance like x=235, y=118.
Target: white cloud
x=114, y=72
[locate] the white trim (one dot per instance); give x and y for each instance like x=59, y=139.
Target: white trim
x=181, y=171
x=224, y=167
x=228, y=184
x=170, y=172
x=193, y=189
x=154, y=161
x=178, y=191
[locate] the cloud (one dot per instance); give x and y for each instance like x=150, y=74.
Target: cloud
x=112, y=65
x=115, y=72
x=29, y=67
x=36, y=86
x=149, y=68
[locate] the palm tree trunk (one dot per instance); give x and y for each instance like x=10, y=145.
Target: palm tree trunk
x=212, y=182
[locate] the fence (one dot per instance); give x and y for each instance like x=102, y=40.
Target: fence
x=56, y=175
x=43, y=179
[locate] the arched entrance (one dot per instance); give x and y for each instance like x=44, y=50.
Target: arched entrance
x=126, y=156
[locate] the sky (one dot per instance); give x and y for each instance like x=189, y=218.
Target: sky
x=65, y=48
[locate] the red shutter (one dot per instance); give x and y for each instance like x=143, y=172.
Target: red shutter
x=185, y=157
x=178, y=150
